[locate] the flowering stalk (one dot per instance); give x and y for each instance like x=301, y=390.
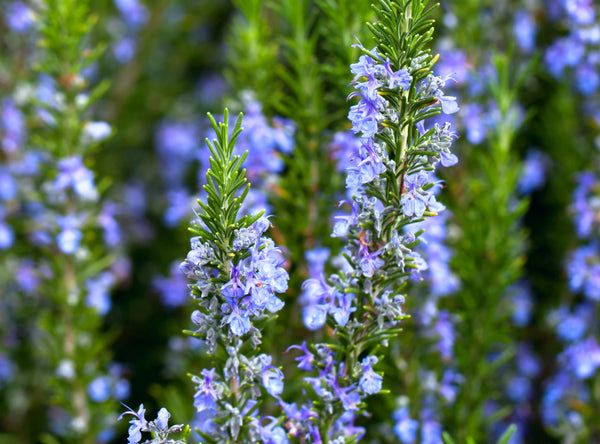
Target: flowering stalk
x=68, y=227
x=236, y=274
x=570, y=399
x=391, y=187
x=497, y=240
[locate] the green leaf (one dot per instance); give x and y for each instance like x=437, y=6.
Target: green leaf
x=447, y=438
x=509, y=432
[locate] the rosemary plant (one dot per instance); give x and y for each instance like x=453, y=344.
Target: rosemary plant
x=390, y=183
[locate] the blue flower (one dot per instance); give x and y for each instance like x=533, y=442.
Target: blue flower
x=587, y=79
x=100, y=389
x=524, y=29
x=19, y=18
x=73, y=174
x=7, y=236
x=370, y=382
x=341, y=307
x=344, y=222
x=206, y=397
x=431, y=431
x=314, y=316
x=12, y=124
x=272, y=377
x=70, y=236
x=405, y=428
x=272, y=433
x=125, y=49
x=581, y=11
x=238, y=321
x=8, y=184
x=582, y=358
x=414, y=201
x=138, y=424
x=397, y=79
x=234, y=289
x=133, y=12
x=98, y=292
x=96, y=131
x=369, y=262
x=305, y=362
x=534, y=172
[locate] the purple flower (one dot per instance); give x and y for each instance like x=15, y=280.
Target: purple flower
x=206, y=397
x=363, y=119
x=234, y=289
x=573, y=326
x=179, y=207
x=7, y=369
x=519, y=389
x=344, y=147
x=369, y=262
x=584, y=271
x=365, y=67
x=449, y=385
x=397, y=79
x=453, y=64
x=26, y=276
x=305, y=362
x=316, y=259
x=343, y=223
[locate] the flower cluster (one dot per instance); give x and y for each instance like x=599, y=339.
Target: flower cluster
x=69, y=237
x=237, y=274
x=251, y=288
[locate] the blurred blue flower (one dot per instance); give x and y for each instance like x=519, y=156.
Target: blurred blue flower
x=19, y=17
x=533, y=176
